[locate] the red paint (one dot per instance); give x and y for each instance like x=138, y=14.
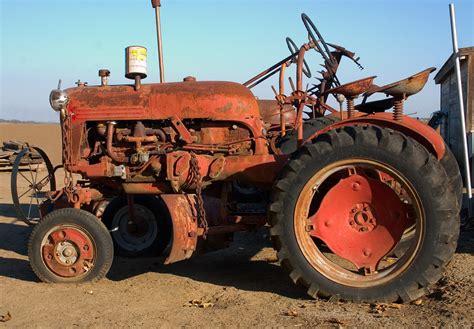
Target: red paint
x=421, y=132
x=360, y=219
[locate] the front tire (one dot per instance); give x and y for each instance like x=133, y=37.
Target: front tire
x=70, y=245
x=329, y=264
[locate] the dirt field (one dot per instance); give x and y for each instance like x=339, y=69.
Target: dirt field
x=244, y=285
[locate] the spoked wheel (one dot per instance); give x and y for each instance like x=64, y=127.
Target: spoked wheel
x=147, y=233
x=32, y=177
x=336, y=227
x=70, y=245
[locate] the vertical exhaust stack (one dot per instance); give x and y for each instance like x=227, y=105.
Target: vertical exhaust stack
x=157, y=4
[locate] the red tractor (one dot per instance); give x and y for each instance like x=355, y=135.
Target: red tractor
x=363, y=204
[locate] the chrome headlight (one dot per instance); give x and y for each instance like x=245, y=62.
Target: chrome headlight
x=58, y=99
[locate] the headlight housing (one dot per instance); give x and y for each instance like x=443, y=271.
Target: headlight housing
x=58, y=99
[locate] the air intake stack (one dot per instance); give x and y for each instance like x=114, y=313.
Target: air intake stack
x=135, y=64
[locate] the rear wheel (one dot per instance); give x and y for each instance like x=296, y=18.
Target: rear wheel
x=148, y=233
x=451, y=167
x=335, y=227
x=287, y=144
x=70, y=245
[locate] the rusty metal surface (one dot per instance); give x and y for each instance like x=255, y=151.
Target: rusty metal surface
x=146, y=188
x=68, y=251
x=270, y=112
x=408, y=86
x=354, y=88
x=192, y=99
x=182, y=209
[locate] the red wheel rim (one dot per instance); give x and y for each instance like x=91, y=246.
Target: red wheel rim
x=360, y=219
x=68, y=251
x=348, y=232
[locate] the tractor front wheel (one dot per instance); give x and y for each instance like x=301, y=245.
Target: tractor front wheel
x=335, y=224
x=70, y=245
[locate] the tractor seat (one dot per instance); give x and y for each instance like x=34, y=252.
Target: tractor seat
x=406, y=87
x=352, y=89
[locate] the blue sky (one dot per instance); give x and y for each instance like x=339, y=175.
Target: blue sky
x=42, y=41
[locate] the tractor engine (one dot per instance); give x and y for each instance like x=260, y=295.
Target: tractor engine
x=158, y=138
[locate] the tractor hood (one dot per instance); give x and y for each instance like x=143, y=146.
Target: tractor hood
x=191, y=100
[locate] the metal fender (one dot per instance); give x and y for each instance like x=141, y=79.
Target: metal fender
x=185, y=228
x=421, y=132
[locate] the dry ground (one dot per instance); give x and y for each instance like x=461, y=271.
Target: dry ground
x=244, y=284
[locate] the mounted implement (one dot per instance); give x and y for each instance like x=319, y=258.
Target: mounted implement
x=362, y=204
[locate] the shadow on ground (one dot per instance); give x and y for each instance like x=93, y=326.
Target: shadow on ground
x=8, y=210
x=18, y=269
x=235, y=266
x=466, y=239
x=231, y=267
x=14, y=237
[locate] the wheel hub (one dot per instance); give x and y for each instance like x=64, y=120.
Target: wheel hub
x=137, y=234
x=68, y=252
x=360, y=219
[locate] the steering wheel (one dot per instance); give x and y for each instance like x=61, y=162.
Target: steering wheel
x=310, y=27
x=294, y=49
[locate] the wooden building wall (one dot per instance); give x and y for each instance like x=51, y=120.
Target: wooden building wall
x=451, y=125
x=451, y=129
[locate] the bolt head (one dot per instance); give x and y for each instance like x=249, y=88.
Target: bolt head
x=67, y=252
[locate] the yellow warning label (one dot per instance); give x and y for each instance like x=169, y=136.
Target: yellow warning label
x=138, y=54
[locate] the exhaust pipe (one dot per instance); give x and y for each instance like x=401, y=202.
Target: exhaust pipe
x=157, y=4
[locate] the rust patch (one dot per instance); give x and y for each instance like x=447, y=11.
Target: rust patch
x=185, y=228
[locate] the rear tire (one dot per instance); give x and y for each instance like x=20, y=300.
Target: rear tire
x=287, y=144
x=437, y=222
x=451, y=167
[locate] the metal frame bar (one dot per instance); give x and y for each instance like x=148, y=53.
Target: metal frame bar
x=457, y=68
